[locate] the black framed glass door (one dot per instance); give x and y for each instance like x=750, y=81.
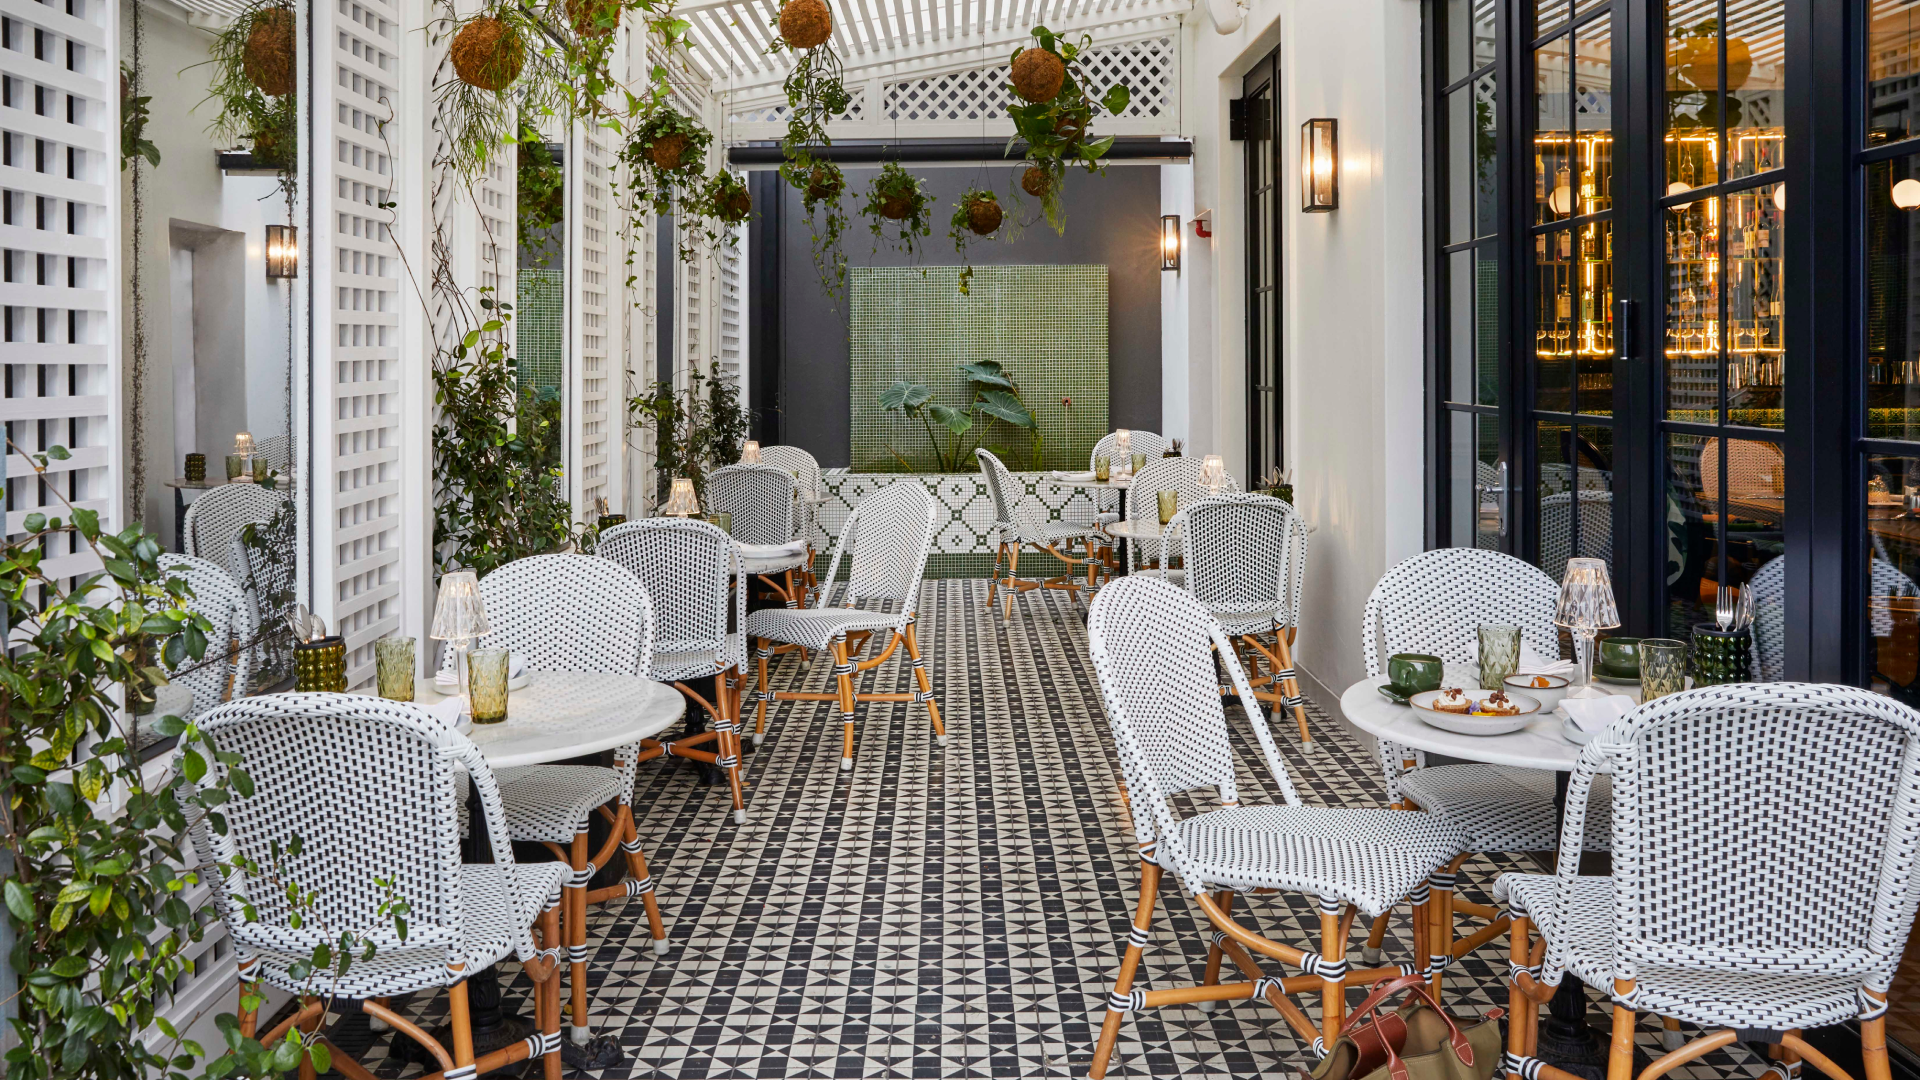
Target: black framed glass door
x=1260, y=98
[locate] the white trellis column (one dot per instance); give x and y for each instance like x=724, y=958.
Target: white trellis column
x=370, y=433
x=595, y=276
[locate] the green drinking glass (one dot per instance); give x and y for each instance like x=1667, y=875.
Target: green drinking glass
x=393, y=667
x=487, y=685
x=1499, y=655
x=1663, y=667
x=1169, y=505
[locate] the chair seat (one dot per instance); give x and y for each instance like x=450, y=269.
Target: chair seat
x=1501, y=808
x=815, y=628
x=1369, y=858
x=497, y=906
x=550, y=803
x=1709, y=998
x=1239, y=623
x=772, y=558
x=697, y=664
x=1047, y=532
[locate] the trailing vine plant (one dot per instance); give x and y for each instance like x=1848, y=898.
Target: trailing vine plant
x=820, y=197
x=976, y=216
x=541, y=195
x=896, y=195
x=816, y=93
x=664, y=158
x=254, y=75
x=1055, y=118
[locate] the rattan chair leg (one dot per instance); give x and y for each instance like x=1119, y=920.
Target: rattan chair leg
x=1129, y=964
x=574, y=897
x=546, y=999
x=1873, y=1044
x=1620, y=1052
x=1376, y=936
x=1013, y=580
x=1670, y=1036
x=308, y=1027
x=1333, y=992
x=926, y=685
x=1443, y=939
x=1215, y=951
x=639, y=881
x=462, y=1023
x=1290, y=686
x=1521, y=1010
x=993, y=583
x=728, y=724
x=760, y=699
x=843, y=676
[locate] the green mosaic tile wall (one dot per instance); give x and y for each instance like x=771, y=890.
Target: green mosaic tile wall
x=1047, y=325
x=539, y=327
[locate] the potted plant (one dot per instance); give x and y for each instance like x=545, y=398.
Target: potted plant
x=896, y=195
x=822, y=185
x=816, y=93
x=254, y=75
x=976, y=215
x=995, y=400
x=1053, y=114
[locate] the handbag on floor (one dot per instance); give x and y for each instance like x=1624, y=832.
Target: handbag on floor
x=1418, y=1041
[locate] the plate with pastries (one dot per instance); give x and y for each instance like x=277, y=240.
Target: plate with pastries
x=1474, y=712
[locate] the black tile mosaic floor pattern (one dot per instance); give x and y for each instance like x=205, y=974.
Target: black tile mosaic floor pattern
x=956, y=912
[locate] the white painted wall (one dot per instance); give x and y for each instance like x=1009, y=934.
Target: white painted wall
x=1352, y=305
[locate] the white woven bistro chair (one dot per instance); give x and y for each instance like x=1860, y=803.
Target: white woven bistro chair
x=224, y=671
x=761, y=500
x=684, y=566
x=1435, y=603
x=890, y=533
x=1153, y=647
x=1020, y=521
x=214, y=520
x=1179, y=474
x=574, y=613
x=370, y=788
x=1246, y=560
x=1764, y=841
x=806, y=473
x=1106, y=504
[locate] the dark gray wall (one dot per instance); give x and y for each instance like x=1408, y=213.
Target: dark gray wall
x=1113, y=220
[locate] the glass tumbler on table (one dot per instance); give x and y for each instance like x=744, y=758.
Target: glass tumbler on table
x=1499, y=654
x=393, y=667
x=1663, y=667
x=487, y=685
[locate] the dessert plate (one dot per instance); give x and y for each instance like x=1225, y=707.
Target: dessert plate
x=1470, y=723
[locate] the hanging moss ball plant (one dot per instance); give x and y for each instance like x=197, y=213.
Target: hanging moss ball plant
x=488, y=53
x=673, y=142
x=593, y=18
x=825, y=182
x=1038, y=74
x=983, y=212
x=896, y=196
x=268, y=54
x=805, y=24
x=728, y=198
x=1036, y=181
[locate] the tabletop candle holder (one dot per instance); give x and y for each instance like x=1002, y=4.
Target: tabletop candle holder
x=681, y=500
x=320, y=665
x=608, y=521
x=460, y=617
x=1721, y=656
x=197, y=468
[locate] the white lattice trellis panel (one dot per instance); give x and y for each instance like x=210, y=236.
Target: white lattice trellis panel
x=358, y=298
x=594, y=276
x=60, y=241
x=733, y=310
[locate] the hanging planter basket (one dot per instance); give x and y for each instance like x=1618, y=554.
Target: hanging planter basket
x=728, y=198
x=488, y=54
x=824, y=183
x=983, y=214
x=669, y=152
x=268, y=56
x=1036, y=182
x=1038, y=74
x=805, y=24
x=594, y=18
x=273, y=149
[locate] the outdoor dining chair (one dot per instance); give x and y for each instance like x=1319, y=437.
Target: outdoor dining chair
x=224, y=671
x=214, y=520
x=684, y=566
x=805, y=471
x=1246, y=560
x=1434, y=603
x=1764, y=845
x=1153, y=646
x=1106, y=504
x=1019, y=521
x=1180, y=474
x=760, y=499
x=370, y=788
x=890, y=533
x=574, y=613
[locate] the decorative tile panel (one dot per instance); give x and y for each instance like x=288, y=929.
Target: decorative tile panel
x=962, y=545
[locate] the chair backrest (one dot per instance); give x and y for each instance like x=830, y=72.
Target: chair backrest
x=1245, y=553
x=1139, y=442
x=1769, y=586
x=1556, y=529
x=796, y=463
x=683, y=566
x=1181, y=474
x=1002, y=487
x=890, y=533
x=215, y=518
x=276, y=451
x=1755, y=470
x=760, y=498
x=1765, y=828
x=369, y=787
x=1153, y=647
x=224, y=670
x=566, y=613
x=1436, y=601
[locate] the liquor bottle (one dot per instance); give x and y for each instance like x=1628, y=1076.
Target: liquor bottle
x=1563, y=306
x=1589, y=244
x=1609, y=245
x=1566, y=244
x=1539, y=176
x=1736, y=243
x=1540, y=247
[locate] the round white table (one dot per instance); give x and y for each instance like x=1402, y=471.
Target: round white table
x=1539, y=745
x=569, y=714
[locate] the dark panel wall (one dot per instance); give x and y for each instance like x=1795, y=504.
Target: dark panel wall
x=1112, y=220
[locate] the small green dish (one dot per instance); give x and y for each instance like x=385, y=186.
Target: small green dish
x=1395, y=694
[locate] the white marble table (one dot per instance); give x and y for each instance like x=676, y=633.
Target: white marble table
x=1539, y=745
x=568, y=714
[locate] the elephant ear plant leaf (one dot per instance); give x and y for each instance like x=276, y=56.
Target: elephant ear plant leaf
x=995, y=401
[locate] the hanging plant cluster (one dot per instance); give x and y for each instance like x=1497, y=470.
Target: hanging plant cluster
x=1054, y=116
x=896, y=196
x=665, y=159
x=976, y=216
x=816, y=93
x=255, y=71
x=541, y=195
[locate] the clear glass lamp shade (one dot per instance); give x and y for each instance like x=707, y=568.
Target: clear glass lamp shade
x=459, y=614
x=243, y=444
x=1213, y=473
x=1586, y=597
x=682, y=502
x=750, y=453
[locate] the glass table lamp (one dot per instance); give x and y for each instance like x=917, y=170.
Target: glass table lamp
x=681, y=501
x=460, y=617
x=750, y=453
x=1213, y=473
x=1123, y=451
x=1586, y=607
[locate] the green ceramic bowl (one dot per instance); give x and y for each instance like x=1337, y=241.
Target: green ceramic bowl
x=1618, y=657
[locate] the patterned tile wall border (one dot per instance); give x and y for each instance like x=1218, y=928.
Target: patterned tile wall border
x=961, y=546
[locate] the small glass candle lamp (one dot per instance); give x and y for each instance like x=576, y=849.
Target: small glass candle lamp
x=240, y=461
x=460, y=617
x=750, y=453
x=1586, y=607
x=1123, y=450
x=681, y=501
x=1213, y=473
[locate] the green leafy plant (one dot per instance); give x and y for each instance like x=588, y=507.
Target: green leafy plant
x=254, y=86
x=822, y=188
x=725, y=204
x=976, y=216
x=665, y=157
x=696, y=429
x=995, y=406
x=896, y=195
x=133, y=123
x=1056, y=128
x=541, y=196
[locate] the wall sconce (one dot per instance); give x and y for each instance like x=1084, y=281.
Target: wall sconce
x=1906, y=194
x=1170, y=242
x=283, y=251
x=1319, y=166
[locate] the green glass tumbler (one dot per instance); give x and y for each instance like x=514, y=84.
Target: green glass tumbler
x=487, y=685
x=1663, y=667
x=1102, y=468
x=1169, y=505
x=1721, y=656
x=1139, y=462
x=1499, y=655
x=393, y=667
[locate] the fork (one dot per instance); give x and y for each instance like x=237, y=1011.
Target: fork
x=1723, y=607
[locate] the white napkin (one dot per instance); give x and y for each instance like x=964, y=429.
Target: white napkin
x=447, y=682
x=448, y=711
x=1533, y=663
x=1594, y=714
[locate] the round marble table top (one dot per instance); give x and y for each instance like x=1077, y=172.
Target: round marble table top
x=1138, y=528
x=569, y=714
x=1539, y=745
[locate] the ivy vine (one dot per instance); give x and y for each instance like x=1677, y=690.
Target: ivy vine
x=896, y=196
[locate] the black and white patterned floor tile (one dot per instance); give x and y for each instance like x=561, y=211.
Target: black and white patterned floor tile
x=956, y=912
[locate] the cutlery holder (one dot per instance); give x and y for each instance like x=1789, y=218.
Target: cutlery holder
x=1721, y=656
x=320, y=665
